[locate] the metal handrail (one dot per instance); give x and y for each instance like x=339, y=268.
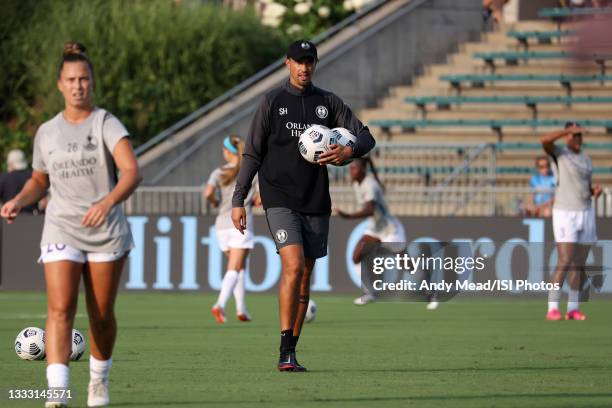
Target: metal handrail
x=467, y=162
x=403, y=200
x=226, y=121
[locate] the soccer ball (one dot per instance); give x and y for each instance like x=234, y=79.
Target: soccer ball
x=78, y=345
x=315, y=141
x=345, y=138
x=311, y=311
x=30, y=344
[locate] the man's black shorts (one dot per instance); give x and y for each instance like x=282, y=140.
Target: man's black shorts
x=291, y=227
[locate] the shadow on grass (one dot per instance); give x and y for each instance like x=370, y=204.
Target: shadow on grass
x=462, y=369
x=445, y=398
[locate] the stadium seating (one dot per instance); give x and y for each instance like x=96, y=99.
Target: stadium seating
x=566, y=12
x=471, y=170
x=444, y=102
x=541, y=37
x=409, y=125
x=513, y=57
x=518, y=146
x=567, y=81
x=561, y=15
x=456, y=104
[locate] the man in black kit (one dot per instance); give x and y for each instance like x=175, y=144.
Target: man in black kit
x=294, y=192
x=14, y=179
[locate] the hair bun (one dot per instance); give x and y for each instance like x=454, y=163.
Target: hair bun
x=74, y=48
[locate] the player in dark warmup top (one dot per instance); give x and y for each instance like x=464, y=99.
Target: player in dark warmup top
x=15, y=178
x=294, y=192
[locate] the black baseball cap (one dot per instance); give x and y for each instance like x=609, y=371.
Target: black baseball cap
x=302, y=49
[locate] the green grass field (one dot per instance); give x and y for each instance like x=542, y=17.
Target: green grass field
x=465, y=354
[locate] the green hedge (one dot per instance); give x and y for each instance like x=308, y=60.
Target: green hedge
x=155, y=61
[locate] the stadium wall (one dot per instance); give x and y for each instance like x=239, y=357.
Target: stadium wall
x=384, y=48
x=182, y=253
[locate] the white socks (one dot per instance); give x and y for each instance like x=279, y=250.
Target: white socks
x=573, y=300
x=357, y=271
x=229, y=281
x=58, y=376
x=233, y=282
x=239, y=292
x=99, y=369
x=553, y=299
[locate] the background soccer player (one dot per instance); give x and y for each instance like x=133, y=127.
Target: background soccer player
x=295, y=193
x=382, y=225
x=573, y=216
x=15, y=178
x=235, y=245
x=86, y=232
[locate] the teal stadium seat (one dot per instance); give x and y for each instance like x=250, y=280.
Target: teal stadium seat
x=513, y=57
x=560, y=15
x=445, y=102
x=538, y=146
x=542, y=37
x=479, y=80
x=422, y=170
x=567, y=12
x=497, y=125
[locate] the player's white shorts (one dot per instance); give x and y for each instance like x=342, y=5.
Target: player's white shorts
x=397, y=234
x=62, y=252
x=231, y=238
x=574, y=226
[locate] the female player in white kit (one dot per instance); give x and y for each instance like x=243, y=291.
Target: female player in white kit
x=235, y=245
x=382, y=226
x=76, y=155
x=573, y=216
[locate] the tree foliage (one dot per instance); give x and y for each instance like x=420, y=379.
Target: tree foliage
x=155, y=61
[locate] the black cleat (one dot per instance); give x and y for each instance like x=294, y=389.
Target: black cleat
x=288, y=362
x=298, y=366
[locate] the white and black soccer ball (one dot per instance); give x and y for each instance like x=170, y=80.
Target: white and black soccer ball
x=345, y=138
x=315, y=141
x=78, y=345
x=311, y=311
x=30, y=344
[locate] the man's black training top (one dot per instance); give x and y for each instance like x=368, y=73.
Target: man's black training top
x=11, y=184
x=271, y=149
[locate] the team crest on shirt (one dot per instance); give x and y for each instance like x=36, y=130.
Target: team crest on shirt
x=281, y=236
x=321, y=111
x=91, y=144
